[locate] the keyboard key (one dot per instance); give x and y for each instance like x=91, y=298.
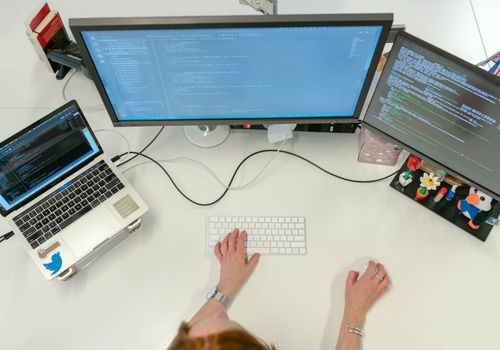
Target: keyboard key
x=29, y=232
x=24, y=227
x=34, y=236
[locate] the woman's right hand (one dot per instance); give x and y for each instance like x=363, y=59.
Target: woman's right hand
x=361, y=293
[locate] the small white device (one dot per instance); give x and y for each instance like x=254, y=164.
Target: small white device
x=267, y=7
x=361, y=264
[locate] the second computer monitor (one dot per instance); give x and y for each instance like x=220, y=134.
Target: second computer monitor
x=442, y=108
x=233, y=69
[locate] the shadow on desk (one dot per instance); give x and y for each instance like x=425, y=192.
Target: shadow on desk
x=334, y=319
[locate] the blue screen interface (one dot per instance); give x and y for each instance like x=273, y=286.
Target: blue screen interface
x=233, y=73
x=43, y=154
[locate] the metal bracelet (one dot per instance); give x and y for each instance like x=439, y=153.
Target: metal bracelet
x=354, y=330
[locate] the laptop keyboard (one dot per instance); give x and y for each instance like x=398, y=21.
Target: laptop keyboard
x=69, y=203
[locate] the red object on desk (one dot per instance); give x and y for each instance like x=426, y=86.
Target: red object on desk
x=413, y=163
x=421, y=193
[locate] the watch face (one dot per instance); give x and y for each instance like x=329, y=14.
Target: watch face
x=212, y=293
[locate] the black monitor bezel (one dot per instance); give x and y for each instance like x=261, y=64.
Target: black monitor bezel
x=474, y=69
x=4, y=212
x=78, y=25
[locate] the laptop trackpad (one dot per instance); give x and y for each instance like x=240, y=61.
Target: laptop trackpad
x=90, y=230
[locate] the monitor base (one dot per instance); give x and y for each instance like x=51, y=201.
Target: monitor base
x=207, y=136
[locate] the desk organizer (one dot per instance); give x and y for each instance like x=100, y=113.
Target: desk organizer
x=446, y=199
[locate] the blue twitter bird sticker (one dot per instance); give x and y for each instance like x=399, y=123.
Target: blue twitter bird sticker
x=55, y=265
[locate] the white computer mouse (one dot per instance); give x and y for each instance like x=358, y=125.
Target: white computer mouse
x=361, y=264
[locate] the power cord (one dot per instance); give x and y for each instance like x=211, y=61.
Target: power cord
x=119, y=134
x=228, y=187
x=6, y=236
x=210, y=171
x=95, y=108
x=141, y=151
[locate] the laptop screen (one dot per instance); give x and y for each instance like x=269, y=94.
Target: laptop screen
x=43, y=153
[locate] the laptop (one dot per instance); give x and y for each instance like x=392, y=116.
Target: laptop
x=63, y=198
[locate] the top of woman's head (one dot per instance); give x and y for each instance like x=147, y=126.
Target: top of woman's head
x=234, y=339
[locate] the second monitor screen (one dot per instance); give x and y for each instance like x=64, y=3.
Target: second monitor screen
x=234, y=73
x=441, y=108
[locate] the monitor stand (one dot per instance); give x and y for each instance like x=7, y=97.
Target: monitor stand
x=207, y=136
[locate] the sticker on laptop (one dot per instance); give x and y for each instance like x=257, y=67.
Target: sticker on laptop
x=55, y=264
x=126, y=206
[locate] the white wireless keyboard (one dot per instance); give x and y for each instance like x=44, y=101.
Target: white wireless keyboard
x=268, y=235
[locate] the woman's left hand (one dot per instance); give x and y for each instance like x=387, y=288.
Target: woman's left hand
x=234, y=267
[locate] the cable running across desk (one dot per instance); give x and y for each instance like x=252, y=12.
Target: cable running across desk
x=228, y=187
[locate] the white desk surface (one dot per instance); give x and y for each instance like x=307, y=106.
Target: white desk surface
x=446, y=288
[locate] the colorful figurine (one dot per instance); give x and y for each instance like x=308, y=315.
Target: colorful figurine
x=451, y=194
x=440, y=194
x=405, y=178
x=477, y=207
x=430, y=182
x=413, y=163
x=421, y=193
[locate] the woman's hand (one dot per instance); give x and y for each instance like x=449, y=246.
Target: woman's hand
x=362, y=293
x=234, y=267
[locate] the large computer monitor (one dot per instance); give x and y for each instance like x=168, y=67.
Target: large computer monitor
x=442, y=108
x=232, y=69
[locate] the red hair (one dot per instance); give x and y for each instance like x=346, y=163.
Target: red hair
x=234, y=339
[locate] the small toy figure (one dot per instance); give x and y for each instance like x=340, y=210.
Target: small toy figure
x=429, y=181
x=451, y=194
x=440, y=194
x=441, y=174
x=477, y=207
x=413, y=163
x=421, y=193
x=405, y=178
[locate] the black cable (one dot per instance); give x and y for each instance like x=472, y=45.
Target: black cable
x=239, y=166
x=142, y=150
x=6, y=236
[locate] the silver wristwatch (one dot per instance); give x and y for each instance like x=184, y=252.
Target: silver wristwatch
x=216, y=294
